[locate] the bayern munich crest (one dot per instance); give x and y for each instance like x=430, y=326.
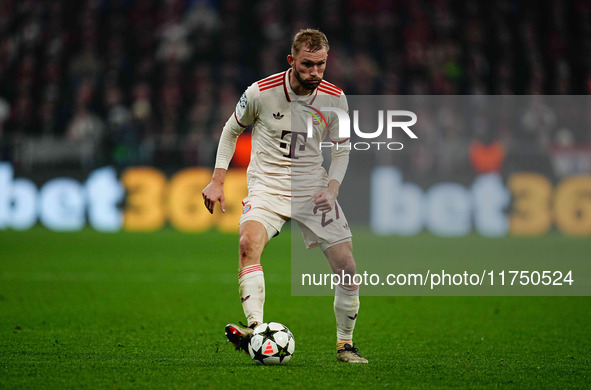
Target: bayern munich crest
x=317, y=117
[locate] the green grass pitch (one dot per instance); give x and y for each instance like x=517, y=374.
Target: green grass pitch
x=132, y=310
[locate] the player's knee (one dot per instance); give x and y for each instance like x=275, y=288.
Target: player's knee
x=350, y=268
x=346, y=265
x=245, y=246
x=250, y=249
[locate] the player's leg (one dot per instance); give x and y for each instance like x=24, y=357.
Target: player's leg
x=331, y=232
x=257, y=225
x=251, y=280
x=346, y=301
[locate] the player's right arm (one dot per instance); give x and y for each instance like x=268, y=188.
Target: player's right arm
x=245, y=113
x=214, y=191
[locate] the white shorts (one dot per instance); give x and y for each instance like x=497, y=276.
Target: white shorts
x=318, y=229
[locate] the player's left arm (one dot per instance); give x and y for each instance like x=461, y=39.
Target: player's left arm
x=325, y=199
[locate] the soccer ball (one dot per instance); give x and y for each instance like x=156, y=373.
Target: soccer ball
x=271, y=344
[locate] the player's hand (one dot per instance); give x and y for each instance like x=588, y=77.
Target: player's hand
x=213, y=193
x=324, y=200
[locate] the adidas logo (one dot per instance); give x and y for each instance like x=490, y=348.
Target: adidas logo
x=278, y=116
x=269, y=348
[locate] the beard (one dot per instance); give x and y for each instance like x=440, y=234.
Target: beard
x=306, y=84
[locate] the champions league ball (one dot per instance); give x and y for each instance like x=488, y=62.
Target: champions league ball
x=271, y=344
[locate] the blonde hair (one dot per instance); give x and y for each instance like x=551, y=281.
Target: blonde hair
x=314, y=39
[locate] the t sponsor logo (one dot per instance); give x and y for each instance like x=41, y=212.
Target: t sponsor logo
x=293, y=142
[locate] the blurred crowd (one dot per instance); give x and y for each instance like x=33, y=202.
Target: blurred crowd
x=127, y=82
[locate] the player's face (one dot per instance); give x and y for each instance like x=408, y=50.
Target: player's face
x=308, y=67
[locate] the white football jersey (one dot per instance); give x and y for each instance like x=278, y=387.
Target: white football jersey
x=284, y=160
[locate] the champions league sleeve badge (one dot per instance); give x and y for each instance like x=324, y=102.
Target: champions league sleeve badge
x=241, y=106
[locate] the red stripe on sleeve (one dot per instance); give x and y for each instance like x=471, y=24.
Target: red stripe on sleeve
x=331, y=86
x=271, y=86
x=329, y=92
x=269, y=80
x=328, y=87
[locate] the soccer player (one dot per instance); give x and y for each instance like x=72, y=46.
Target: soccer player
x=286, y=181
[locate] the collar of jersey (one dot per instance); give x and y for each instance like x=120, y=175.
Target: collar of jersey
x=291, y=96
